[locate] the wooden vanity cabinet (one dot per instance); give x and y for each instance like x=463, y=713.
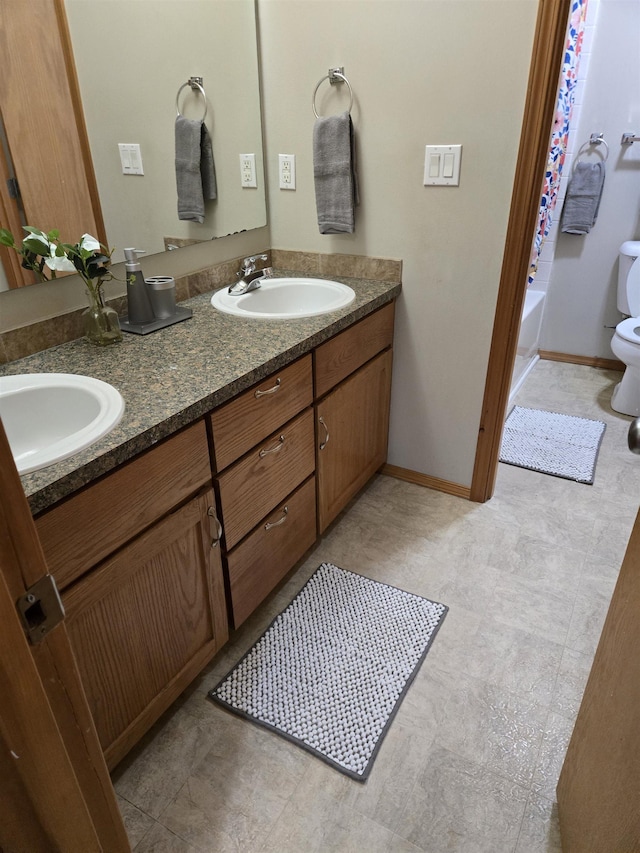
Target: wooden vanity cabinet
x=266, y=480
x=145, y=620
x=352, y=419
x=138, y=554
x=263, y=445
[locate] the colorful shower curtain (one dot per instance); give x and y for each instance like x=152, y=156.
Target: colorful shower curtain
x=560, y=132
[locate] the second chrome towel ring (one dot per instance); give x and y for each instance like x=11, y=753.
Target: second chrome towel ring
x=335, y=75
x=196, y=85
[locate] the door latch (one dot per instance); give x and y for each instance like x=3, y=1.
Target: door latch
x=40, y=609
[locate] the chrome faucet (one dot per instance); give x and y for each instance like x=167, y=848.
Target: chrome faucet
x=249, y=277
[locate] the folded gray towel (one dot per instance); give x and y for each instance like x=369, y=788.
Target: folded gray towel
x=207, y=166
x=334, y=170
x=195, y=172
x=582, y=201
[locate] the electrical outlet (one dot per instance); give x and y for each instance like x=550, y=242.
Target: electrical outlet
x=287, y=171
x=248, y=170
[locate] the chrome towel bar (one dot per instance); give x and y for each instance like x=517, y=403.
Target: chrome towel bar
x=629, y=138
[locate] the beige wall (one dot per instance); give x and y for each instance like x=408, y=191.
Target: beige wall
x=422, y=72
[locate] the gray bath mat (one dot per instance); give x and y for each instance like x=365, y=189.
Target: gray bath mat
x=551, y=443
x=332, y=669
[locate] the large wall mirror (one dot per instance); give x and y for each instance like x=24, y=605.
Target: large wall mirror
x=131, y=58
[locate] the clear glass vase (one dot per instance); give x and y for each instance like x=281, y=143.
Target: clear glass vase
x=101, y=324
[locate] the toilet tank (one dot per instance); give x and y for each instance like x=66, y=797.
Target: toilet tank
x=629, y=278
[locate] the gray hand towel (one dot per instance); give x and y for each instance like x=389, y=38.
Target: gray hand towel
x=334, y=170
x=582, y=201
x=207, y=166
x=195, y=173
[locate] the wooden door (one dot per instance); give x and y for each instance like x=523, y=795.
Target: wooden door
x=352, y=427
x=146, y=621
x=547, y=55
x=55, y=791
x=42, y=114
x=599, y=787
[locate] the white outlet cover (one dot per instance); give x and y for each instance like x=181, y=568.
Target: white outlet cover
x=287, y=171
x=248, y=170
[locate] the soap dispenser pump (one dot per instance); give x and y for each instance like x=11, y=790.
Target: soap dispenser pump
x=139, y=303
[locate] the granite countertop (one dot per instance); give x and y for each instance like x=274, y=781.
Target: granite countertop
x=174, y=376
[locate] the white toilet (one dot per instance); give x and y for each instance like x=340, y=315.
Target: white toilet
x=626, y=339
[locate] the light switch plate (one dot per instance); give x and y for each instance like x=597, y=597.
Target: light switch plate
x=442, y=165
x=130, y=158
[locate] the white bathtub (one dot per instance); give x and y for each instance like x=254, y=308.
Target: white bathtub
x=527, y=352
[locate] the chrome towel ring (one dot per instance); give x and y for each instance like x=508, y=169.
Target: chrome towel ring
x=196, y=85
x=594, y=139
x=335, y=75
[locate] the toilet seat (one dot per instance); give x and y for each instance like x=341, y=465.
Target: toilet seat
x=629, y=330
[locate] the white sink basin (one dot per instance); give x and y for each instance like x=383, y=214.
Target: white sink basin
x=286, y=299
x=51, y=416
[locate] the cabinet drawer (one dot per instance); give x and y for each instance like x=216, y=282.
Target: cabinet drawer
x=248, y=418
x=265, y=557
x=266, y=475
x=78, y=533
x=340, y=356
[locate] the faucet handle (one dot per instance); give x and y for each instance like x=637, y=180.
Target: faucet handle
x=249, y=264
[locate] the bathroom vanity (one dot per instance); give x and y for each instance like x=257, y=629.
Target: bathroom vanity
x=187, y=533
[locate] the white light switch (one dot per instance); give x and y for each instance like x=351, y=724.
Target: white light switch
x=130, y=158
x=442, y=165
x=447, y=169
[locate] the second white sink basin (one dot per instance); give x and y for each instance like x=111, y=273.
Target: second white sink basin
x=50, y=416
x=286, y=299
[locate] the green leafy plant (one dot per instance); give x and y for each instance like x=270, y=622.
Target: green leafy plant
x=45, y=254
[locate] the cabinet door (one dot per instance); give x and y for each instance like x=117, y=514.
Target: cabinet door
x=145, y=622
x=352, y=427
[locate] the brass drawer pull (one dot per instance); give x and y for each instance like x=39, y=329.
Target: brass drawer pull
x=270, y=524
x=275, y=449
x=326, y=430
x=258, y=393
x=216, y=527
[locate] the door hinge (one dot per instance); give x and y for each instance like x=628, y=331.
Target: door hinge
x=40, y=608
x=13, y=188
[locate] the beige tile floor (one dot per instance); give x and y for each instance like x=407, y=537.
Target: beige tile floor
x=471, y=761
